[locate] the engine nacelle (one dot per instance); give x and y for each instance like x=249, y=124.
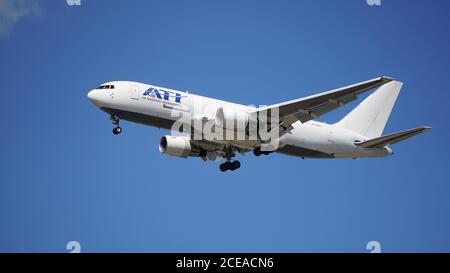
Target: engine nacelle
x=179, y=146
x=231, y=119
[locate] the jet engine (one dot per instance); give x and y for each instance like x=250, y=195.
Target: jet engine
x=179, y=146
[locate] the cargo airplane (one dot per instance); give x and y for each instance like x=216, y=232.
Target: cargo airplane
x=298, y=132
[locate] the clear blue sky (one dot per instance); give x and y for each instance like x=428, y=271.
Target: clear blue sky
x=65, y=176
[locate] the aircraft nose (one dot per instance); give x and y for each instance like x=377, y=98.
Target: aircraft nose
x=93, y=96
x=90, y=94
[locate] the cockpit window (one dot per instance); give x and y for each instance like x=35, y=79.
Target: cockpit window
x=105, y=87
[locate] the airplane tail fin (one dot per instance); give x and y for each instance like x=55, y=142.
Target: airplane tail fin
x=370, y=117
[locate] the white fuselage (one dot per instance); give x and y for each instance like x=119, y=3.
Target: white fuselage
x=138, y=103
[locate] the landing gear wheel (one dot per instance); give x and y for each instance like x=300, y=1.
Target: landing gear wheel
x=235, y=165
x=227, y=165
x=222, y=167
x=230, y=166
x=117, y=130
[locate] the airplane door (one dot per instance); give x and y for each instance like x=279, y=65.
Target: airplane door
x=135, y=93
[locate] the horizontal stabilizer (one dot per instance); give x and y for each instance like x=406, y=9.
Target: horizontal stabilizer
x=392, y=138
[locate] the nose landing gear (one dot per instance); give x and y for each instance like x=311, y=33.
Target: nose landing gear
x=115, y=120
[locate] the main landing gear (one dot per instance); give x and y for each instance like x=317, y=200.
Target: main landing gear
x=230, y=165
x=115, y=120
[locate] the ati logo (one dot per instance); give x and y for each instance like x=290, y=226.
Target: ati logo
x=163, y=95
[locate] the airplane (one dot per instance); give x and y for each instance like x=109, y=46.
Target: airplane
x=298, y=131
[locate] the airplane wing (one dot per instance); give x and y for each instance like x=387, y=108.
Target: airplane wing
x=392, y=138
x=312, y=107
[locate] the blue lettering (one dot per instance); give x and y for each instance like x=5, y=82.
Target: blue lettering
x=152, y=91
x=178, y=97
x=166, y=95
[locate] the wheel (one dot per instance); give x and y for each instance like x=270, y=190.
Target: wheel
x=222, y=167
x=227, y=165
x=257, y=151
x=235, y=165
x=117, y=130
x=267, y=152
